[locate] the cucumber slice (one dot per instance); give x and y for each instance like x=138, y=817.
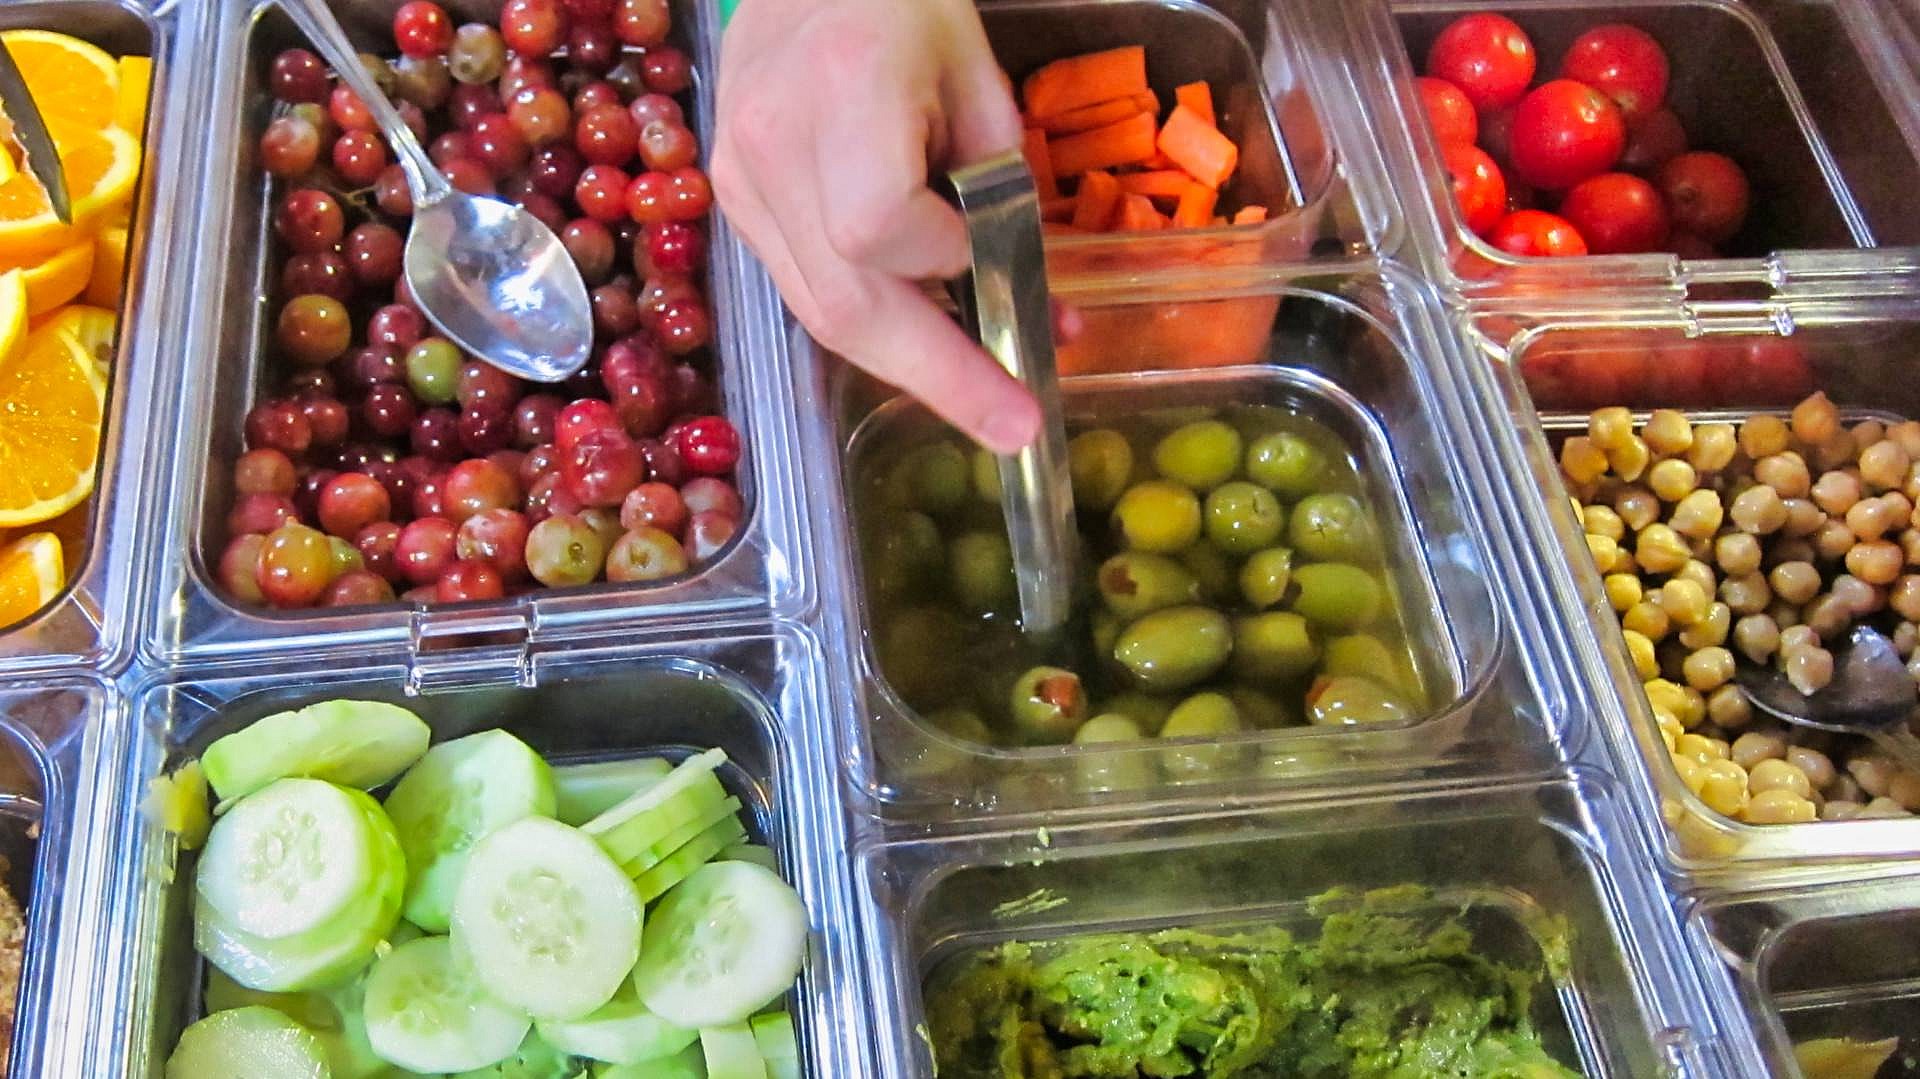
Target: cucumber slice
x=460, y=791
x=547, y=919
x=535, y=1059
x=644, y=819
x=287, y=858
x=352, y=743
x=727, y=940
x=426, y=1012
x=310, y=1010
x=681, y=836
x=686, y=1064
x=622, y=1031
x=697, y=852
x=779, y=1047
x=584, y=791
x=731, y=1053
x=762, y=856
x=247, y=1043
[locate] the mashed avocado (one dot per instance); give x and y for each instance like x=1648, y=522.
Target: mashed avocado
x=1387, y=992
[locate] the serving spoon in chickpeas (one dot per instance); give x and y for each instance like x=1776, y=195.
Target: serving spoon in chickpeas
x=1871, y=695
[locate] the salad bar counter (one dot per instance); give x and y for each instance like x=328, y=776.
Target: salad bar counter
x=1492, y=645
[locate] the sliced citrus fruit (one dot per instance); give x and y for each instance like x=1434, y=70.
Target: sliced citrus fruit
x=13, y=310
x=101, y=167
x=72, y=81
x=54, y=280
x=31, y=574
x=51, y=402
x=93, y=327
x=130, y=107
x=109, y=266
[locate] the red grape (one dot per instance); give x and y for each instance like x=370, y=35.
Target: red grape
x=596, y=93
x=467, y=104
x=498, y=144
x=469, y=175
x=313, y=329
x=645, y=554
x=642, y=23
x=374, y=253
x=602, y=466
x=260, y=513
x=710, y=445
x=298, y=76
x=654, y=505
x=666, y=145
x=296, y=565
x=707, y=494
x=605, y=135
x=327, y=418
x=396, y=325
x=323, y=273
x=689, y=196
x=482, y=387
x=436, y=434
x=564, y=550
x=357, y=588
x=421, y=28
x=592, y=48
x=498, y=537
x=534, y=419
x=649, y=197
x=615, y=313
x=555, y=170
x=309, y=220
x=349, y=111
x=467, y=580
x=263, y=472
x=482, y=433
x=538, y=463
x=533, y=27
x=424, y=549
x=477, y=485
x=377, y=543
x=240, y=567
x=666, y=70
x=289, y=147
x=709, y=533
x=591, y=246
x=388, y=410
x=684, y=327
x=351, y=502
x=602, y=193
x=391, y=194
x=675, y=247
x=279, y=425
x=650, y=107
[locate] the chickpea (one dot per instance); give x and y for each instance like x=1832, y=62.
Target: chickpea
x=1784, y=614
x=1797, y=637
x=1911, y=488
x=1815, y=765
x=1746, y=594
x=1758, y=510
x=1724, y=788
x=1834, y=810
x=1711, y=631
x=1905, y=789
x=1693, y=711
x=1779, y=807
x=1815, y=419
x=1736, y=553
x=1913, y=667
x=1810, y=669
x=1847, y=789
x=1910, y=544
x=1630, y=459
x=1709, y=669
x=1640, y=650
x=1906, y=637
x=1763, y=436
x=1786, y=473
x=1699, y=573
x=1637, y=507
x=1884, y=808
x=1692, y=776
x=1795, y=582
x=1672, y=656
x=1648, y=619
x=1668, y=697
x=1755, y=746
x=1698, y=515
x=1833, y=453
x=1772, y=774
x=1605, y=552
x=1729, y=709
x=1602, y=521
x=1581, y=460
x=1899, y=507
x=1700, y=748
x=1714, y=445
x=1672, y=479
x=1905, y=597
x=1609, y=427
x=1906, y=435
x=1803, y=518
x=1858, y=597
x=1875, y=562
x=1870, y=518
x=1866, y=433
x=1757, y=637
x=1659, y=549
x=1623, y=590
x=1667, y=432
x=1884, y=465
x=1873, y=772
x=1833, y=540
x=1835, y=492
x=1828, y=616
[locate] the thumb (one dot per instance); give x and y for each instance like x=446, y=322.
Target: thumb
x=982, y=119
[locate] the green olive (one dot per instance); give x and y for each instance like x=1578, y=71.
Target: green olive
x=1047, y=705
x=1203, y=715
x=1265, y=575
x=1106, y=627
x=1337, y=596
x=1108, y=727
x=1100, y=462
x=1333, y=528
x=1286, y=464
x=1272, y=646
x=1108, y=771
x=937, y=477
x=1158, y=516
x=1174, y=648
x=904, y=552
x=1211, y=569
x=963, y=724
x=1203, y=455
x=1243, y=517
x=1348, y=699
x=981, y=571
x=1145, y=709
x=986, y=477
x=1262, y=710
x=1134, y=583
x=1365, y=654
x=916, y=647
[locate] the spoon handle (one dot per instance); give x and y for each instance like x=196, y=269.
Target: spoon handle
x=315, y=19
x=1901, y=744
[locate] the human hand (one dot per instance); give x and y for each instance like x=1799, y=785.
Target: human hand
x=831, y=115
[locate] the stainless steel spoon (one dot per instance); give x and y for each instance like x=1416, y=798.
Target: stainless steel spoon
x=1871, y=695
x=486, y=272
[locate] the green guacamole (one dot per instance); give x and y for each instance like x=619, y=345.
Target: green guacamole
x=1387, y=992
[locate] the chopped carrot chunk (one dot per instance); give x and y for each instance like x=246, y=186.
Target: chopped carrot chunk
x=1124, y=143
x=1197, y=96
x=1161, y=184
x=1196, y=146
x=1196, y=206
x=1097, y=202
x=1033, y=144
x=1089, y=79
x=1138, y=215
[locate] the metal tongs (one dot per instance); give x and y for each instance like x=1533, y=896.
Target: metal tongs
x=1003, y=301
x=30, y=128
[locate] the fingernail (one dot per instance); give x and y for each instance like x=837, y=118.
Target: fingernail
x=1009, y=430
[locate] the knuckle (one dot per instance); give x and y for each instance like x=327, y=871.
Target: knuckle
x=858, y=237
x=840, y=307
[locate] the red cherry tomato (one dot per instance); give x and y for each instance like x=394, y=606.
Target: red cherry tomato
x=1617, y=214
x=1564, y=132
x=1496, y=135
x=1487, y=56
x=1681, y=375
x=1623, y=62
x=1597, y=377
x=1537, y=233
x=1707, y=194
x=1448, y=110
x=1688, y=246
x=1653, y=139
x=1770, y=370
x=1478, y=186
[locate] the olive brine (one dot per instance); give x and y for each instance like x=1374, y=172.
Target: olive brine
x=1231, y=580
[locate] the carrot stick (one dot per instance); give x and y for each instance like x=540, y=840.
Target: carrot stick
x=1033, y=144
x=1098, y=200
x=1060, y=228
x=1196, y=206
x=1138, y=215
x=1198, y=147
x=1197, y=96
x=1162, y=184
x=1086, y=80
x=1250, y=215
x=1123, y=143
x=1159, y=162
x=1088, y=117
x=1058, y=209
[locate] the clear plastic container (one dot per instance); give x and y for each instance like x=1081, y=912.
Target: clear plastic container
x=750, y=691
x=221, y=376
x=1533, y=867
x=1811, y=100
x=92, y=621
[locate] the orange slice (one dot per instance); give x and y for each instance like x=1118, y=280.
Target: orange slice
x=13, y=311
x=93, y=327
x=109, y=267
x=130, y=106
x=73, y=82
x=31, y=574
x=101, y=167
x=57, y=278
x=51, y=403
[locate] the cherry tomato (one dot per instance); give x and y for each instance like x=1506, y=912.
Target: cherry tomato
x=1564, y=132
x=1478, y=186
x=1487, y=56
x=1606, y=376
x=1448, y=110
x=1681, y=374
x=1496, y=135
x=1617, y=214
x=1707, y=194
x=1538, y=233
x=1653, y=139
x=1688, y=246
x=1770, y=370
x=1623, y=62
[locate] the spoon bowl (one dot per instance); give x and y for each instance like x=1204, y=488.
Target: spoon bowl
x=1871, y=695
